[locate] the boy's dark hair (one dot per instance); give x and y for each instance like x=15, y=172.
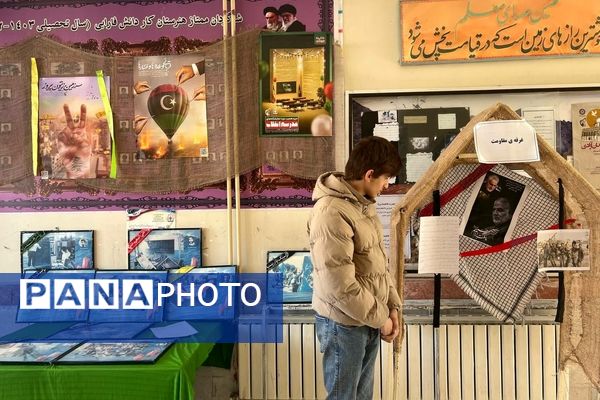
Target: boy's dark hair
x=374, y=153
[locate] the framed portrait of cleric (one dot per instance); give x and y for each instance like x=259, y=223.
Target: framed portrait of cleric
x=493, y=208
x=47, y=250
x=291, y=272
x=164, y=249
x=295, y=84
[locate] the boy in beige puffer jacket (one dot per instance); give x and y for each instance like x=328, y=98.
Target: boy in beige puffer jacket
x=354, y=295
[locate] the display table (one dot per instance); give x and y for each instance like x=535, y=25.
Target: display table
x=171, y=377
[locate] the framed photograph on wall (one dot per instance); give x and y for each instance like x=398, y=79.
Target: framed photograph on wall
x=44, y=250
x=291, y=272
x=295, y=84
x=163, y=249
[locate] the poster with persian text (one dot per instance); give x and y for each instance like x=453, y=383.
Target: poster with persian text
x=115, y=27
x=170, y=107
x=586, y=141
x=73, y=137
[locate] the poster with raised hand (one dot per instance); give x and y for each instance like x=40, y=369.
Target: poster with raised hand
x=170, y=107
x=73, y=136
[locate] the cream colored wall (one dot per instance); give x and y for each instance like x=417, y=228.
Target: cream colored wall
x=372, y=54
x=261, y=230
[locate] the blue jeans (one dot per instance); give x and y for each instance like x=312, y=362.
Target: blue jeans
x=349, y=355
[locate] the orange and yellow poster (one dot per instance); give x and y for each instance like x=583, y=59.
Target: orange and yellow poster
x=463, y=30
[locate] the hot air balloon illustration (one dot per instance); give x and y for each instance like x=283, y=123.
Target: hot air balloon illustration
x=168, y=105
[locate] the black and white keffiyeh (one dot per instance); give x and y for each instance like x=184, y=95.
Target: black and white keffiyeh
x=501, y=278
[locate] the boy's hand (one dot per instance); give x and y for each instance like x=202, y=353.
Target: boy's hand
x=395, y=329
x=387, y=328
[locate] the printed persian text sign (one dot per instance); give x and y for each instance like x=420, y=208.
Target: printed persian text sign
x=484, y=29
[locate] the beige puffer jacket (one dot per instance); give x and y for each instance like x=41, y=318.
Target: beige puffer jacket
x=351, y=283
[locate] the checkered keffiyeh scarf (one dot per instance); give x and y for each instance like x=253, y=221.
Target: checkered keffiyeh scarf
x=503, y=280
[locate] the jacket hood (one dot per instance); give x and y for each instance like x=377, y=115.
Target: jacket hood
x=333, y=184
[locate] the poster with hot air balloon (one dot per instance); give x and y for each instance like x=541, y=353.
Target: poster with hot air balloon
x=170, y=107
x=73, y=136
x=296, y=89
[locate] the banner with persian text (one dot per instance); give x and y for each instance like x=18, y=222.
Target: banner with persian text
x=436, y=31
x=107, y=25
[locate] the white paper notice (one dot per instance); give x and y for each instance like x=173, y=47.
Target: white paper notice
x=417, y=164
x=176, y=330
x=509, y=141
x=389, y=131
x=438, y=245
x=446, y=121
x=139, y=218
x=543, y=121
x=384, y=206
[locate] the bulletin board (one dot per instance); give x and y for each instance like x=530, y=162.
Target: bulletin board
x=423, y=122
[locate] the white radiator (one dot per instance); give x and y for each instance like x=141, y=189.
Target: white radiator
x=475, y=362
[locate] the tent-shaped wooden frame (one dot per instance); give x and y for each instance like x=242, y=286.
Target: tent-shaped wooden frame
x=580, y=330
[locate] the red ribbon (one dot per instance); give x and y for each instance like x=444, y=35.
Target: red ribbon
x=508, y=245
x=481, y=170
x=137, y=239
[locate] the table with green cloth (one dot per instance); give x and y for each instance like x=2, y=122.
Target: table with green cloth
x=171, y=377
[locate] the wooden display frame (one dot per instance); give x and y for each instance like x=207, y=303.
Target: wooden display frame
x=579, y=337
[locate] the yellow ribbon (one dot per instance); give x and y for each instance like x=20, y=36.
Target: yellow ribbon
x=34, y=115
x=109, y=120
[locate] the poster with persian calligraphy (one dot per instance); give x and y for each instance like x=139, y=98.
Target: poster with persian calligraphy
x=470, y=30
x=586, y=141
x=74, y=139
